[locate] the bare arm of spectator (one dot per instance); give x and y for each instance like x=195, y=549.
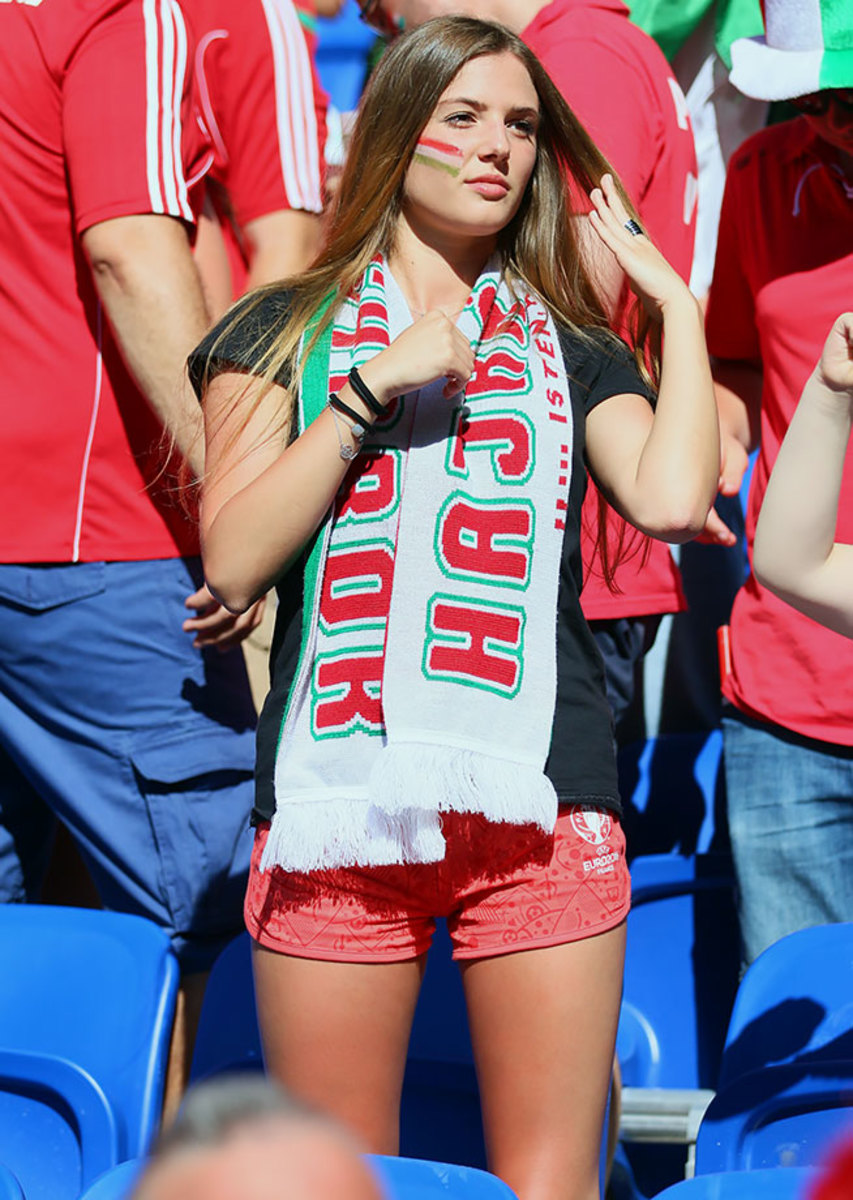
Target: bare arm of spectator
x=151, y=293
x=795, y=554
x=737, y=389
x=281, y=243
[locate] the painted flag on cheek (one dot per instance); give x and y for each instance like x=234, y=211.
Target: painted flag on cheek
x=441, y=155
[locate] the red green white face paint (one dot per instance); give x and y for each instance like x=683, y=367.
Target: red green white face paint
x=441, y=155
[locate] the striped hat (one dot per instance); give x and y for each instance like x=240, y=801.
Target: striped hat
x=808, y=47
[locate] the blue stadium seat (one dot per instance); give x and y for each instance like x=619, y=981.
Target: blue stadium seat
x=784, y=1116
x=743, y=1185
x=786, y=1081
x=680, y=971
x=117, y=1183
x=228, y=1038
x=794, y=1004
x=10, y=1189
x=680, y=980
x=57, y=1128
x=414, y=1179
x=91, y=999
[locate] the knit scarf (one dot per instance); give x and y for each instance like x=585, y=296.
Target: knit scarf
x=427, y=675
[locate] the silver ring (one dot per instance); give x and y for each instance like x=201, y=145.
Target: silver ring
x=633, y=228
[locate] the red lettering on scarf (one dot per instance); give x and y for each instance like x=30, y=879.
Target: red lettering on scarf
x=477, y=658
x=357, y=682
x=357, y=585
x=467, y=533
x=494, y=431
x=369, y=486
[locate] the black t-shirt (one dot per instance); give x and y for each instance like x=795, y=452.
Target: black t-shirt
x=581, y=762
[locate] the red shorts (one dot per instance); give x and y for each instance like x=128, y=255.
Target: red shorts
x=500, y=887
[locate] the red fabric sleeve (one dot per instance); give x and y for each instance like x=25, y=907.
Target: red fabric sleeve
x=730, y=324
x=127, y=116
x=266, y=109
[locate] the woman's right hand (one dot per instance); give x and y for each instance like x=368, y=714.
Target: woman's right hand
x=432, y=348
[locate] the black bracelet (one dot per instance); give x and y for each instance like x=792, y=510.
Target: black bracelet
x=364, y=393
x=338, y=403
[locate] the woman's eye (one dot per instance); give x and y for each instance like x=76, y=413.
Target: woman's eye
x=460, y=118
x=525, y=127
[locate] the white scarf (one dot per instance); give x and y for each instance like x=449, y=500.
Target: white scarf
x=427, y=677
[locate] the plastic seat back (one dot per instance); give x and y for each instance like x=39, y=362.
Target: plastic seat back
x=57, y=1129
x=228, y=1038
x=415, y=1179
x=680, y=971
x=794, y=1004
x=783, y=1116
x=743, y=1185
x=10, y=1188
x=98, y=990
x=117, y=1183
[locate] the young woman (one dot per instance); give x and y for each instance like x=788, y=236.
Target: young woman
x=795, y=554
x=437, y=739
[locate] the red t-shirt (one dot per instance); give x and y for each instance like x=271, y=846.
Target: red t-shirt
x=619, y=84
x=783, y=274
x=265, y=110
x=95, y=123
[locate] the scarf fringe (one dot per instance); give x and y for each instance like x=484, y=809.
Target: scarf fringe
x=320, y=834
x=409, y=777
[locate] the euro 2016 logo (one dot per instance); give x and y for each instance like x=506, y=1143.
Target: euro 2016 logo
x=591, y=824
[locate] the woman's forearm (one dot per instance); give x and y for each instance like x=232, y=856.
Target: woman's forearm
x=794, y=554
x=258, y=516
x=678, y=468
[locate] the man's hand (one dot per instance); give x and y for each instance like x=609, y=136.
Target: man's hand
x=214, y=625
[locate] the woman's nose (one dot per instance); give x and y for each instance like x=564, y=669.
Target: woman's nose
x=495, y=142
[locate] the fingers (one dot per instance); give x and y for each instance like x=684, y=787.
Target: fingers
x=716, y=531
x=200, y=600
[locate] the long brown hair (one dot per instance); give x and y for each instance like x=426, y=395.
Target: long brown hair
x=540, y=245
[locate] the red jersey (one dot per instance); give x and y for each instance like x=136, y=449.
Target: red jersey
x=95, y=123
x=265, y=110
x=619, y=84
x=783, y=274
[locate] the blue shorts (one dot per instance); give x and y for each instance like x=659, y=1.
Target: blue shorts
x=140, y=744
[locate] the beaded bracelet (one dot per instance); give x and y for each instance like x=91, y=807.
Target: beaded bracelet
x=364, y=393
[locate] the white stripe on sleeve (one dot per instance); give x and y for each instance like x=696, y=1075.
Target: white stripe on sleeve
x=295, y=116
x=152, y=105
x=177, y=126
x=167, y=109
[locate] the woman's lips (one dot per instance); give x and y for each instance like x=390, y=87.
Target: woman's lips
x=492, y=187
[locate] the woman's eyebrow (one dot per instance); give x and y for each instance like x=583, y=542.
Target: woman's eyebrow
x=523, y=110
x=477, y=104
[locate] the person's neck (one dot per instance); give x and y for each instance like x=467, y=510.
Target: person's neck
x=515, y=14
x=436, y=275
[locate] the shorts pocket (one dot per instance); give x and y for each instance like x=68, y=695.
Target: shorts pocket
x=197, y=786
x=40, y=588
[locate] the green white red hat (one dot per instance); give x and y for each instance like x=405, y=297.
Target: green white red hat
x=808, y=47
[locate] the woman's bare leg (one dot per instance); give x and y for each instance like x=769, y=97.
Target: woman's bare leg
x=336, y=1035
x=543, y=1023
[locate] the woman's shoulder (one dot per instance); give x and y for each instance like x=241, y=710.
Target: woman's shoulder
x=241, y=337
x=599, y=362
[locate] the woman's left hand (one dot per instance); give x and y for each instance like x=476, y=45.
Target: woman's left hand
x=651, y=277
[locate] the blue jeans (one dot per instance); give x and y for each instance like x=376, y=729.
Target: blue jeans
x=140, y=744
x=790, y=804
